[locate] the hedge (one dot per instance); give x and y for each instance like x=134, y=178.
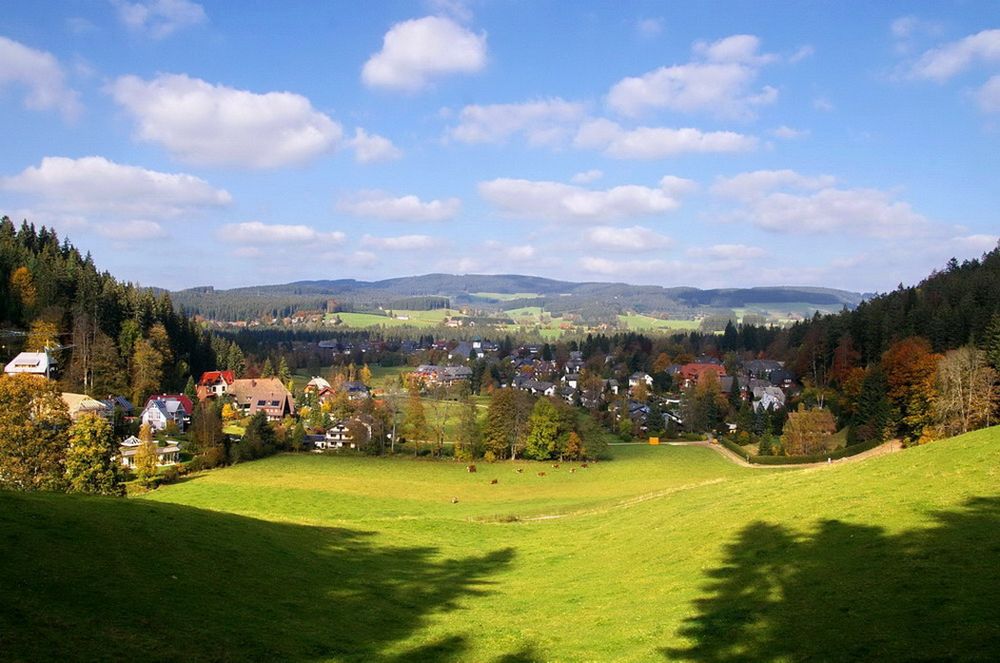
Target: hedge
x=852, y=450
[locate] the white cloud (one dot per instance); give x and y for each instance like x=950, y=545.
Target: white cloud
x=255, y=232
x=457, y=9
x=636, y=238
x=649, y=27
x=248, y=252
x=631, y=267
x=160, y=18
x=587, y=176
x=362, y=259
x=556, y=201
x=988, y=96
x=382, y=205
x=718, y=81
x=980, y=243
x=727, y=252
x=542, y=122
x=823, y=104
x=401, y=242
x=802, y=53
x=216, y=125
x=131, y=230
x=657, y=142
x=823, y=210
x=748, y=186
x=416, y=51
x=42, y=75
x=520, y=253
x=940, y=64
x=372, y=148
x=97, y=185
x=788, y=133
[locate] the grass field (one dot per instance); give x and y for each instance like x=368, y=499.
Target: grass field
x=637, y=322
x=664, y=553
x=414, y=318
x=506, y=297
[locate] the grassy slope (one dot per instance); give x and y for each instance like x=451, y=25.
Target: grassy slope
x=665, y=551
x=638, y=322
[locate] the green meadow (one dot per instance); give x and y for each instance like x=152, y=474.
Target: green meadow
x=662, y=553
x=639, y=322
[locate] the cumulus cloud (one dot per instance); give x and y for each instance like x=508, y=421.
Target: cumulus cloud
x=216, y=125
x=160, y=18
x=401, y=242
x=557, y=201
x=630, y=267
x=636, y=238
x=416, y=51
x=649, y=27
x=131, y=230
x=541, y=122
x=727, y=252
x=788, y=133
x=940, y=64
x=42, y=76
x=719, y=80
x=97, y=185
x=385, y=206
x=748, y=186
x=785, y=201
x=980, y=243
x=587, y=176
x=255, y=232
x=372, y=148
x=657, y=142
x=988, y=96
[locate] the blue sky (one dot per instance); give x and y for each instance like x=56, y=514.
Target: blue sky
x=185, y=143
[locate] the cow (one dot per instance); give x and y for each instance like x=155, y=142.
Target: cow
x=494, y=482
x=584, y=465
x=541, y=474
x=454, y=500
x=470, y=468
x=519, y=470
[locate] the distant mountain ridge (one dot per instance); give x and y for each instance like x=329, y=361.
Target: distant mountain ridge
x=489, y=291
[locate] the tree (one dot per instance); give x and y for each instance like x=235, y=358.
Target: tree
x=259, y=440
x=235, y=360
x=806, y=431
x=366, y=375
x=91, y=462
x=469, y=434
x=33, y=421
x=147, y=371
x=543, y=431
x=574, y=446
x=23, y=286
x=871, y=420
x=284, y=373
x=414, y=419
x=991, y=342
x=44, y=334
x=506, y=421
x=910, y=368
x=640, y=391
x=297, y=440
x=206, y=429
x=146, y=458
x=268, y=369
x=967, y=393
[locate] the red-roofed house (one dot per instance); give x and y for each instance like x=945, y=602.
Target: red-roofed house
x=214, y=383
x=694, y=373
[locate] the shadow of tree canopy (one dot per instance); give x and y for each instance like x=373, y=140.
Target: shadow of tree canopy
x=105, y=579
x=852, y=592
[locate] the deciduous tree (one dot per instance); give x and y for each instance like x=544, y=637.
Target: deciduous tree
x=33, y=423
x=92, y=465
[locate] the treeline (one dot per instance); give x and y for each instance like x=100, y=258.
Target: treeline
x=108, y=337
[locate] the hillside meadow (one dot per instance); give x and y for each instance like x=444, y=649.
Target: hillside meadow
x=663, y=553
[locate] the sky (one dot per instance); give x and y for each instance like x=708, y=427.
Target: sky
x=842, y=144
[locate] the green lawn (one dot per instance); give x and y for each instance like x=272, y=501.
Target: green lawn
x=637, y=322
x=664, y=553
x=413, y=318
x=506, y=297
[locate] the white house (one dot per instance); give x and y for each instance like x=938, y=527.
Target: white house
x=337, y=437
x=160, y=412
x=638, y=377
x=165, y=455
x=33, y=363
x=81, y=404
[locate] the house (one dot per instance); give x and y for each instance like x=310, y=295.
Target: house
x=638, y=377
x=120, y=403
x=611, y=385
x=782, y=378
x=166, y=408
x=170, y=454
x=33, y=363
x=571, y=380
x=316, y=385
x=762, y=368
x=267, y=395
x=433, y=375
x=461, y=351
x=770, y=398
x=214, y=384
x=691, y=374
x=81, y=404
x=338, y=436
x=538, y=388
x=356, y=391
x=568, y=394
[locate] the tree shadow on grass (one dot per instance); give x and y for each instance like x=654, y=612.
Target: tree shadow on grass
x=851, y=592
x=105, y=579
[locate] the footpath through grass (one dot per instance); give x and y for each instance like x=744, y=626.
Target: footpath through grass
x=665, y=553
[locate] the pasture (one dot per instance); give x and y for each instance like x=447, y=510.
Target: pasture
x=663, y=553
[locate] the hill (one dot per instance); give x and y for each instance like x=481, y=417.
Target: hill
x=498, y=292
x=664, y=552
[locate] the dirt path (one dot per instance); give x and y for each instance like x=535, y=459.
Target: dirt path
x=887, y=448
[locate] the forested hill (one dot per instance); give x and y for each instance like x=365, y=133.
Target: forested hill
x=490, y=291
x=108, y=337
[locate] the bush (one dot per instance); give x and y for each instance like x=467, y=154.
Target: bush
x=490, y=457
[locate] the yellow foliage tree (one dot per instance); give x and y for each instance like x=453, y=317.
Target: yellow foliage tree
x=43, y=334
x=23, y=286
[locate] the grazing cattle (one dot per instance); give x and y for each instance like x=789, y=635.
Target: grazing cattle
x=556, y=465
x=541, y=474
x=470, y=468
x=519, y=470
x=494, y=482
x=572, y=470
x=454, y=500
x=583, y=465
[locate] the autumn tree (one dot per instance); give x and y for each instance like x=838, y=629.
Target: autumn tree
x=543, y=431
x=42, y=334
x=366, y=375
x=147, y=371
x=506, y=422
x=967, y=392
x=33, y=421
x=22, y=285
x=414, y=419
x=469, y=434
x=910, y=369
x=206, y=430
x=574, y=446
x=146, y=459
x=92, y=465
x=807, y=431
